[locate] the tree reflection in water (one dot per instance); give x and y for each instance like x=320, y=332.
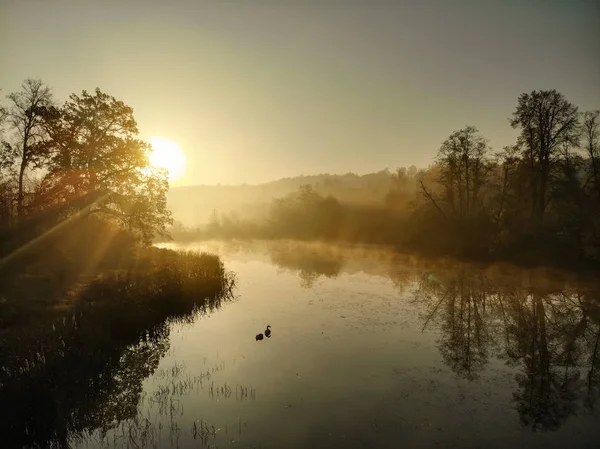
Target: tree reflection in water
x=465, y=339
x=548, y=332
x=551, y=333
x=538, y=322
x=310, y=260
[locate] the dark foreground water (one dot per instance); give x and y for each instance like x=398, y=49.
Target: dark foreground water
x=368, y=350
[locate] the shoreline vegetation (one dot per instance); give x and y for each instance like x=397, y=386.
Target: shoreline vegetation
x=80, y=327
x=311, y=260
x=533, y=203
x=86, y=302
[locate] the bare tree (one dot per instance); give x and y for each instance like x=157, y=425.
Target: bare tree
x=463, y=167
x=547, y=122
x=26, y=118
x=6, y=164
x=591, y=134
x=464, y=162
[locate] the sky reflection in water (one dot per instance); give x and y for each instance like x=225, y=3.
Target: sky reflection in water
x=374, y=350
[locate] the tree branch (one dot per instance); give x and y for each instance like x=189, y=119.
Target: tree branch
x=432, y=200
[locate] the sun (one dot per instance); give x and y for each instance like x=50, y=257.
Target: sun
x=167, y=154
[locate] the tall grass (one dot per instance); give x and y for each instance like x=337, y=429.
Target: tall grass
x=82, y=326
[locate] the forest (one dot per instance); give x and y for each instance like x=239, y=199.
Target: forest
x=534, y=202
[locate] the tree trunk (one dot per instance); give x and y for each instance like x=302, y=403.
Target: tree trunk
x=22, y=168
x=20, y=193
x=542, y=194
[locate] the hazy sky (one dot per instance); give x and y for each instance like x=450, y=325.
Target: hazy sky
x=258, y=90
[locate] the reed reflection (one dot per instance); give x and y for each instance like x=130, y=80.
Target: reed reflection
x=83, y=374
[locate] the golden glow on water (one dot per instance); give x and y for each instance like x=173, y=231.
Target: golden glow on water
x=426, y=351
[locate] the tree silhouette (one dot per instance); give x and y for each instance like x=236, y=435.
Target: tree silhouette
x=463, y=165
x=96, y=153
x=26, y=117
x=7, y=160
x=547, y=122
x=591, y=187
x=591, y=134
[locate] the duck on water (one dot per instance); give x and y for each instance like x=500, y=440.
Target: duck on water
x=267, y=333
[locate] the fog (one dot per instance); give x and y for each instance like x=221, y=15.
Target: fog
x=415, y=263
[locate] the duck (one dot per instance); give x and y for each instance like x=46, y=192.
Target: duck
x=268, y=331
x=259, y=337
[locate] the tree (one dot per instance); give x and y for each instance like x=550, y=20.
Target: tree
x=547, y=122
x=464, y=162
x=402, y=189
x=7, y=154
x=591, y=134
x=305, y=214
x=26, y=117
x=7, y=160
x=591, y=186
x=96, y=154
x=463, y=165
x=507, y=205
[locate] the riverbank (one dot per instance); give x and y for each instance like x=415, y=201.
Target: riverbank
x=80, y=307
x=524, y=255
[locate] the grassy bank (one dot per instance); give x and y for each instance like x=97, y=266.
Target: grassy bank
x=85, y=317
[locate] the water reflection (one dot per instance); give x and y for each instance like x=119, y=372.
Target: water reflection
x=462, y=303
x=311, y=261
x=85, y=374
x=544, y=323
x=544, y=330
x=351, y=356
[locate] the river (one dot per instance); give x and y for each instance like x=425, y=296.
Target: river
x=369, y=350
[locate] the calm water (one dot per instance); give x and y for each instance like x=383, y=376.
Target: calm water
x=370, y=350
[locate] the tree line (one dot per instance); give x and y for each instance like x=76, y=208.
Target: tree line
x=536, y=200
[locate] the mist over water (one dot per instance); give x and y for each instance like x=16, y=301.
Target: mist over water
x=368, y=349
x=321, y=224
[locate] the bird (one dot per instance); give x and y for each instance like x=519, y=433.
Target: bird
x=259, y=337
x=268, y=331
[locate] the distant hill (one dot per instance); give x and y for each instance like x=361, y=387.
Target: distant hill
x=192, y=205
